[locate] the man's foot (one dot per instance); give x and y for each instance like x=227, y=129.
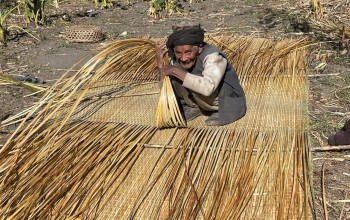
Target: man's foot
x=213, y=119
x=191, y=113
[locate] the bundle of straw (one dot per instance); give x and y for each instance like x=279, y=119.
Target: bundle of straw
x=168, y=113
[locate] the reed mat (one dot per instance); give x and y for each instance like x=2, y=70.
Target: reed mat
x=93, y=149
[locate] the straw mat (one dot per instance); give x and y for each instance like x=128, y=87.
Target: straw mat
x=94, y=151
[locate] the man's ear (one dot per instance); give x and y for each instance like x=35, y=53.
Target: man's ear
x=200, y=49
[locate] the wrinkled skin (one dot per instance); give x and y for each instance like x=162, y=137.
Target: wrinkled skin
x=186, y=55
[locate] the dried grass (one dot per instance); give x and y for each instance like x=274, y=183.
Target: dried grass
x=331, y=28
x=331, y=19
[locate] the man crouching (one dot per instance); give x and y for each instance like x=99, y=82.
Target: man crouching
x=204, y=80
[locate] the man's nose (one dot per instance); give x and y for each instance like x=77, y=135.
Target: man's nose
x=183, y=57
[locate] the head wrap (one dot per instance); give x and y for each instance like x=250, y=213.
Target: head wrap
x=188, y=36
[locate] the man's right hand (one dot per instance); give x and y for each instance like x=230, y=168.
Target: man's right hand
x=161, y=50
x=170, y=70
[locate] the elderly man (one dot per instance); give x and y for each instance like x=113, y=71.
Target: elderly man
x=202, y=78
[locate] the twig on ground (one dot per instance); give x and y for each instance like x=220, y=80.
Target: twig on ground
x=341, y=200
x=331, y=148
x=336, y=91
x=318, y=138
x=324, y=194
x=70, y=70
x=218, y=14
x=332, y=187
x=320, y=75
x=327, y=158
x=340, y=113
x=342, y=210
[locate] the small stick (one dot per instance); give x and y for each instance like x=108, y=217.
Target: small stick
x=342, y=210
x=331, y=148
x=342, y=200
x=326, y=158
x=324, y=195
x=70, y=70
x=318, y=75
x=6, y=70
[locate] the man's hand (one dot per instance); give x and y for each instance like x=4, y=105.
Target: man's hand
x=169, y=70
x=161, y=50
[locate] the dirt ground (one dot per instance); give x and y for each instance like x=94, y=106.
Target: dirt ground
x=49, y=56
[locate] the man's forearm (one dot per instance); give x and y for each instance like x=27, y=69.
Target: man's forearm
x=169, y=70
x=178, y=73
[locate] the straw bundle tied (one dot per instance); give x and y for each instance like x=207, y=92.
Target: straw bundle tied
x=93, y=149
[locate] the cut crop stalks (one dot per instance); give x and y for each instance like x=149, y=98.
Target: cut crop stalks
x=317, y=8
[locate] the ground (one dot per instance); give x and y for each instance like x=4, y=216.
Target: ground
x=49, y=56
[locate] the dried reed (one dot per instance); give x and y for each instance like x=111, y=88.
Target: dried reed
x=331, y=28
x=7, y=80
x=168, y=113
x=86, y=152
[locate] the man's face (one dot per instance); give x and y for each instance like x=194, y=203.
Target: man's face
x=187, y=55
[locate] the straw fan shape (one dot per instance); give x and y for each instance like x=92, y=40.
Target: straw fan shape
x=168, y=113
x=93, y=149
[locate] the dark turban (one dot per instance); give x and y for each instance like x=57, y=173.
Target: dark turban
x=188, y=36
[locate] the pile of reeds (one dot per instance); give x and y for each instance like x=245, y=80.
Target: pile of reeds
x=93, y=149
x=331, y=28
x=332, y=19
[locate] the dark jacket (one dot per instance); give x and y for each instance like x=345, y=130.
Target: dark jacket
x=341, y=137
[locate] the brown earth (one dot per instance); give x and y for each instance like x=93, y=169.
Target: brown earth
x=50, y=56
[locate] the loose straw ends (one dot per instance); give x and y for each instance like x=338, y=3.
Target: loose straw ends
x=168, y=113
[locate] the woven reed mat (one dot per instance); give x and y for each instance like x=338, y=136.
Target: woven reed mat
x=272, y=128
x=109, y=161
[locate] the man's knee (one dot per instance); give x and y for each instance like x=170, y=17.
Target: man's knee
x=183, y=93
